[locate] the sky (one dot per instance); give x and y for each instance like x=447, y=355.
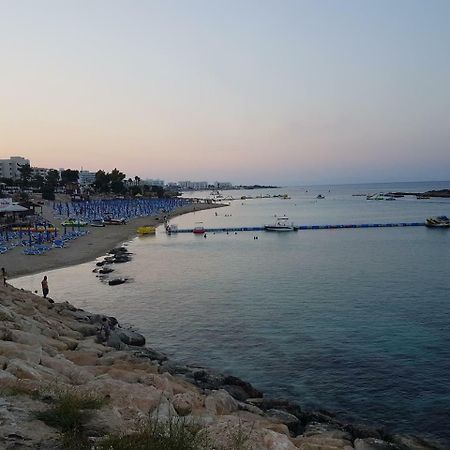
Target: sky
x=270, y=92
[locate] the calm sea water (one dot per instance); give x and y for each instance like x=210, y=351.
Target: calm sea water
x=356, y=321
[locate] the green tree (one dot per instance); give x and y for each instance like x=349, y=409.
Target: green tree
x=25, y=174
x=117, y=178
x=38, y=181
x=52, y=178
x=102, y=181
x=69, y=176
x=48, y=192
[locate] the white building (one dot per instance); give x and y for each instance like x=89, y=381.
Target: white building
x=39, y=171
x=151, y=182
x=85, y=178
x=9, y=168
x=222, y=185
x=195, y=185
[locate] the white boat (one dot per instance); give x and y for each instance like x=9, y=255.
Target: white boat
x=438, y=221
x=171, y=228
x=281, y=224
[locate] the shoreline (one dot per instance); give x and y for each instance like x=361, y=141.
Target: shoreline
x=137, y=377
x=86, y=248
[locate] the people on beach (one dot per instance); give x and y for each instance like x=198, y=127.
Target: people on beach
x=44, y=284
x=4, y=276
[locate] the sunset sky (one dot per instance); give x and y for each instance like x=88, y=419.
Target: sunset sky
x=285, y=92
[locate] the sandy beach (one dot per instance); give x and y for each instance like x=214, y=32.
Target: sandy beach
x=86, y=248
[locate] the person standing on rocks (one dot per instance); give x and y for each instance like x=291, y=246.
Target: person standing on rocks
x=44, y=284
x=4, y=276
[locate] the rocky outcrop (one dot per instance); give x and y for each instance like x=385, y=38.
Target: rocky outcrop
x=46, y=348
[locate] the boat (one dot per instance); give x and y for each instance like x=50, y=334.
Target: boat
x=320, y=196
x=423, y=197
x=199, y=229
x=281, y=224
x=171, y=228
x=97, y=223
x=146, y=230
x=114, y=221
x=74, y=223
x=438, y=222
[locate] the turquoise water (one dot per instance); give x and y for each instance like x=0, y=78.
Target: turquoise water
x=355, y=321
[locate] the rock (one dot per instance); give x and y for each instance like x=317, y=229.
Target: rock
x=322, y=442
x=275, y=441
x=27, y=353
x=63, y=366
x=325, y=430
x=249, y=390
x=291, y=421
x=207, y=379
x=129, y=337
x=266, y=403
x=82, y=358
x=117, y=281
x=21, y=369
x=221, y=402
x=24, y=337
x=149, y=353
x=186, y=402
x=374, y=444
x=413, y=443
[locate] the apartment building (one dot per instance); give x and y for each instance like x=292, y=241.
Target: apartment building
x=9, y=168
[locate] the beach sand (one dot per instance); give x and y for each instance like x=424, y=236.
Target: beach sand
x=86, y=248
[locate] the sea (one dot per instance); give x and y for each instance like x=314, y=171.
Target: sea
x=353, y=321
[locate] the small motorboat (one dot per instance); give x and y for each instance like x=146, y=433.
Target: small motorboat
x=74, y=223
x=146, y=230
x=438, y=222
x=199, y=228
x=114, y=221
x=320, y=196
x=281, y=224
x=97, y=223
x=171, y=228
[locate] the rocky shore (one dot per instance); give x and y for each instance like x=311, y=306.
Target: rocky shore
x=47, y=348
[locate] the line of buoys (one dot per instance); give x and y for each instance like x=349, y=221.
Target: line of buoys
x=312, y=227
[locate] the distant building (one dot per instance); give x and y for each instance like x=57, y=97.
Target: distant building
x=222, y=185
x=9, y=168
x=85, y=178
x=39, y=171
x=194, y=185
x=151, y=182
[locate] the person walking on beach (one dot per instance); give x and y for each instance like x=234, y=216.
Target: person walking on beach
x=44, y=284
x=4, y=276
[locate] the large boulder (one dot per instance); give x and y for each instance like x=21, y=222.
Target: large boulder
x=129, y=337
x=221, y=403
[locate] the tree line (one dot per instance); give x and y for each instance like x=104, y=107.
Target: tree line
x=105, y=182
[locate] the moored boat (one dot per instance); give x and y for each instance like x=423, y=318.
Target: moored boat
x=146, y=230
x=74, y=223
x=199, y=228
x=281, y=224
x=438, y=222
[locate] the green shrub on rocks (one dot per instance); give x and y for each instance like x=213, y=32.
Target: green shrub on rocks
x=175, y=433
x=70, y=411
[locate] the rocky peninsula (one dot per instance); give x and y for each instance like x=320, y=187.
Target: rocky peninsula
x=64, y=387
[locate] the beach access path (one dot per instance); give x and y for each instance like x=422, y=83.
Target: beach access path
x=86, y=248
